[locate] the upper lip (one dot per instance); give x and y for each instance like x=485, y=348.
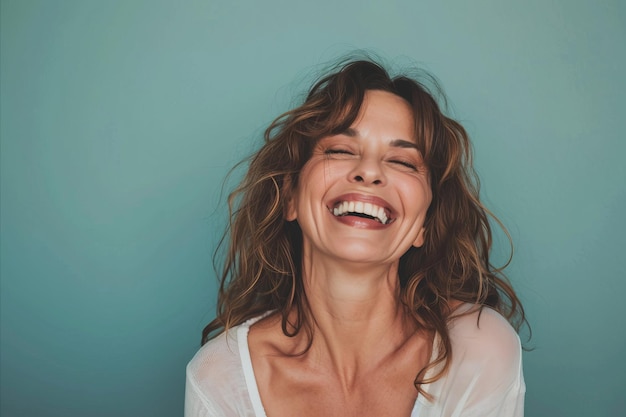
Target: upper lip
x=365, y=198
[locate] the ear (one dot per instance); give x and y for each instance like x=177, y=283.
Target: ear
x=419, y=241
x=289, y=210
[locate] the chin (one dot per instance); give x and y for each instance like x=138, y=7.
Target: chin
x=361, y=252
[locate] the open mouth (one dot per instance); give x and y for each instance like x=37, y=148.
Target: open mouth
x=363, y=210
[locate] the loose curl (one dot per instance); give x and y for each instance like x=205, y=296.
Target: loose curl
x=262, y=269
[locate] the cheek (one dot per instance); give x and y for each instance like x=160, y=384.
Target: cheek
x=418, y=196
x=316, y=176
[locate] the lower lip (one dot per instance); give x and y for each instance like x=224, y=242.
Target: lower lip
x=360, y=222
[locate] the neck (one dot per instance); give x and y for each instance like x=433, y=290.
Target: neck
x=358, y=318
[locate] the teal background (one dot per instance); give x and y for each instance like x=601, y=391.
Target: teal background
x=120, y=119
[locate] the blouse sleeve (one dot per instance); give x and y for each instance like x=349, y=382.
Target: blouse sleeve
x=215, y=385
x=485, y=377
x=195, y=403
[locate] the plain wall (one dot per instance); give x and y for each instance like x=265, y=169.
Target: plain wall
x=120, y=119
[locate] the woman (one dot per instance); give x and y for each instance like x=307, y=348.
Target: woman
x=357, y=281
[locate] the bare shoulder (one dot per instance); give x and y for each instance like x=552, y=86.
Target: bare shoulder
x=266, y=339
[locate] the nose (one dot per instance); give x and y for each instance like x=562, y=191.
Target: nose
x=368, y=171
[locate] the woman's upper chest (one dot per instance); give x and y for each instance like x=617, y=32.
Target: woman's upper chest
x=297, y=385
x=289, y=391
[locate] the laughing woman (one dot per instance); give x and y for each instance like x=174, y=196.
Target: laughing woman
x=358, y=281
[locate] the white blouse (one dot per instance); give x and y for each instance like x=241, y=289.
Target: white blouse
x=484, y=377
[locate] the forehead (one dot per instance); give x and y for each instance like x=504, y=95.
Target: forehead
x=384, y=110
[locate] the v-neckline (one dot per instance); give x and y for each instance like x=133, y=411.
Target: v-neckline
x=251, y=384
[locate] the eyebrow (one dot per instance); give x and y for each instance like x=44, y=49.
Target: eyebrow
x=401, y=143
x=396, y=143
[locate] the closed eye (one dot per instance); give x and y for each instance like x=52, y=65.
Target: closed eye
x=338, y=152
x=405, y=164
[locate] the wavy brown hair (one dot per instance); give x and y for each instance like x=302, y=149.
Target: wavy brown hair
x=262, y=269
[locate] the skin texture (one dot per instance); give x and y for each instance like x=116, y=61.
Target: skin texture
x=366, y=350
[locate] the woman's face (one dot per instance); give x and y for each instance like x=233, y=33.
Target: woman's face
x=363, y=195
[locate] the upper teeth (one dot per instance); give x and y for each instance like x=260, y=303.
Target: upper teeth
x=363, y=208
